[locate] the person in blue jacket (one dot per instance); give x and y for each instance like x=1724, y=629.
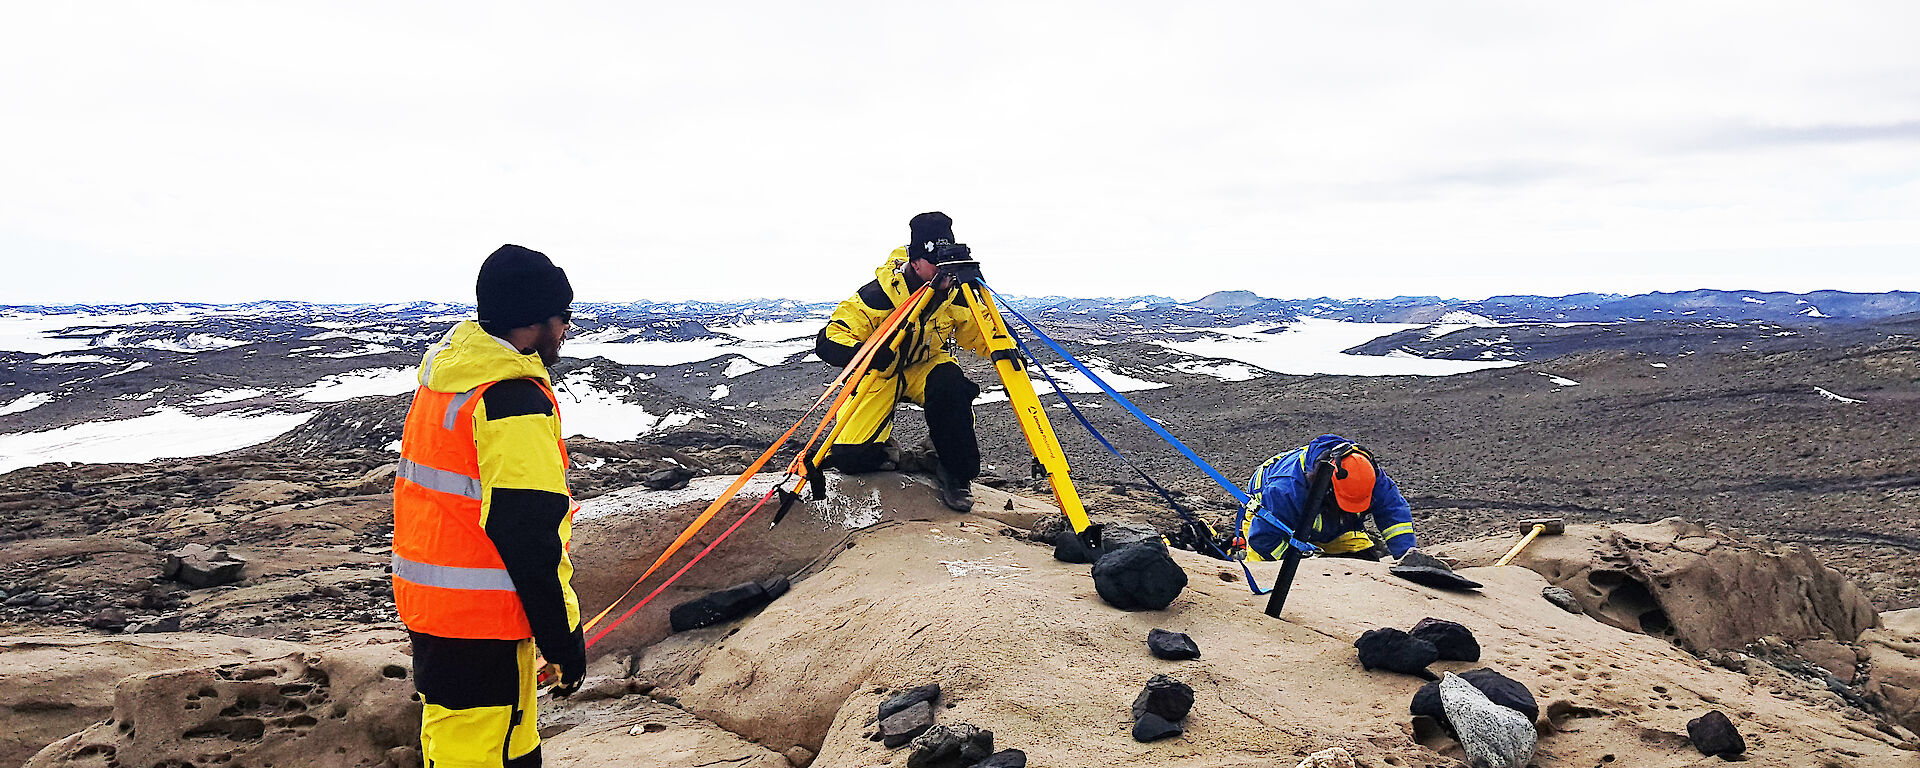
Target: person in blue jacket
x=1324, y=491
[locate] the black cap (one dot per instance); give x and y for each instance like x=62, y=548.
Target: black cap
x=520, y=287
x=929, y=230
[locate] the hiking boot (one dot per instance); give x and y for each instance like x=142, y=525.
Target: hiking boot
x=957, y=496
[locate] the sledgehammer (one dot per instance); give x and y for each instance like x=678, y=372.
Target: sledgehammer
x=1551, y=526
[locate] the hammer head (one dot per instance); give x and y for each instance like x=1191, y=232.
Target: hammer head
x=1550, y=526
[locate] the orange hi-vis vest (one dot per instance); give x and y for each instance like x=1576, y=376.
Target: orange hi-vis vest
x=448, y=579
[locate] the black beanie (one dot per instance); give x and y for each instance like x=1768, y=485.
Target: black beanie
x=928, y=229
x=520, y=287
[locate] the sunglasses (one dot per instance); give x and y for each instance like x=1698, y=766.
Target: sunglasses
x=566, y=317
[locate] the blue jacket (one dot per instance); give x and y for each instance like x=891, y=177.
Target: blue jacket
x=1278, y=492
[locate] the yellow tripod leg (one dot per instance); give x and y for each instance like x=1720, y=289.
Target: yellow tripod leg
x=1026, y=404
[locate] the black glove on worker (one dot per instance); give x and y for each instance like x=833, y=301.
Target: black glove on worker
x=571, y=657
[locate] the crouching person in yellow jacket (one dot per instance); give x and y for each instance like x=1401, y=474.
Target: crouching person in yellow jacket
x=917, y=366
x=481, y=521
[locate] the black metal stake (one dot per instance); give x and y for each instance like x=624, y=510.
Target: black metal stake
x=1289, y=565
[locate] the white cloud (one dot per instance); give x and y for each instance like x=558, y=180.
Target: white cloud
x=377, y=152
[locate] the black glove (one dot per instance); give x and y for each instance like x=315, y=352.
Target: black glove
x=882, y=359
x=571, y=656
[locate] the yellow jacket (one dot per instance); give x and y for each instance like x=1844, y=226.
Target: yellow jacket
x=924, y=337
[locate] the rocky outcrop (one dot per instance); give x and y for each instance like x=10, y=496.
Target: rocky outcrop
x=341, y=707
x=53, y=686
x=1893, y=665
x=1701, y=586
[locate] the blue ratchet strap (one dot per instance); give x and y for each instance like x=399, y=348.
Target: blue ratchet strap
x=1233, y=490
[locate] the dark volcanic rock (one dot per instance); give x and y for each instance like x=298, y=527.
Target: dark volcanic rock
x=1498, y=688
x=775, y=587
x=110, y=619
x=1173, y=646
x=1139, y=577
x=1424, y=569
x=669, y=479
x=1164, y=696
x=718, y=607
x=1069, y=547
x=903, y=726
x=1152, y=727
x=1454, y=641
x=950, y=746
x=1396, y=651
x=1713, y=734
x=907, y=698
x=1006, y=758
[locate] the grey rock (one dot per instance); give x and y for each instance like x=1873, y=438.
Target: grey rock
x=1172, y=646
x=1713, y=734
x=163, y=624
x=24, y=598
x=1117, y=536
x=1563, y=598
x=200, y=566
x=1140, y=576
x=905, y=725
x=1164, y=696
x=950, y=746
x=1493, y=736
x=1453, y=640
x=1152, y=727
x=110, y=619
x=669, y=479
x=907, y=698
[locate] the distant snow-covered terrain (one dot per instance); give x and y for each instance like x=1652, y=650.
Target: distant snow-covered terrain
x=141, y=381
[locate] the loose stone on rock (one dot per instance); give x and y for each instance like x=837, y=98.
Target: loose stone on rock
x=950, y=746
x=201, y=566
x=1006, y=758
x=1152, y=727
x=1493, y=736
x=907, y=698
x=1563, y=598
x=1068, y=547
x=1114, y=537
x=669, y=479
x=1141, y=576
x=907, y=724
x=1713, y=734
x=1453, y=640
x=719, y=607
x=1396, y=651
x=1164, y=696
x=1172, y=646
x=1498, y=688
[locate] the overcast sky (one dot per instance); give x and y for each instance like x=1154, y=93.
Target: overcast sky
x=379, y=151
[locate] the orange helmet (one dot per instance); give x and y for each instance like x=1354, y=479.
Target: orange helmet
x=1353, y=478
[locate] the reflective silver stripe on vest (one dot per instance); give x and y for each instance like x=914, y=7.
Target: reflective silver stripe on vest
x=452, y=577
x=439, y=480
x=453, y=409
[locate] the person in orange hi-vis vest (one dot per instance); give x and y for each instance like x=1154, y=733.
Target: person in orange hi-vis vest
x=481, y=521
